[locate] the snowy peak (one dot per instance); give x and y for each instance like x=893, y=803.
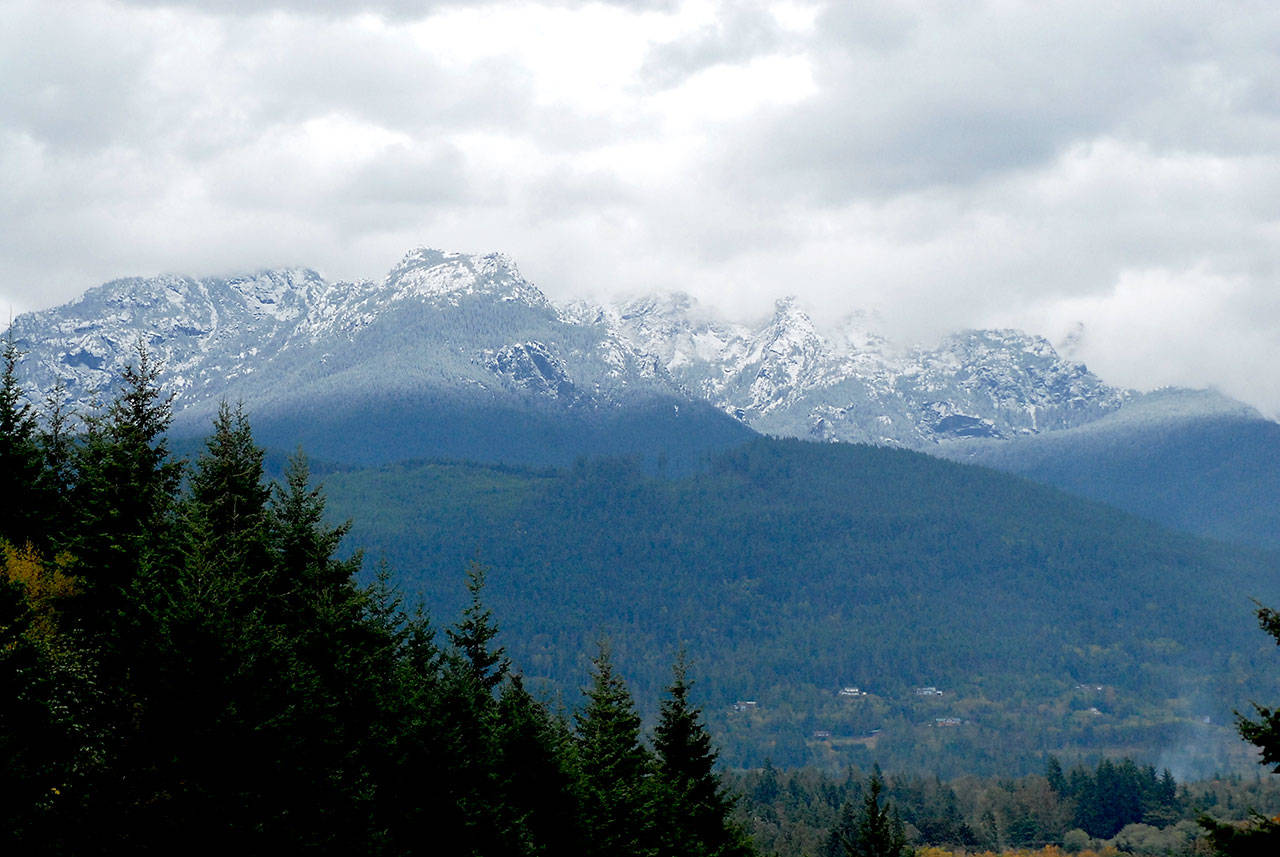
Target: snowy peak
x=427, y=273
x=786, y=377
x=438, y=324
x=456, y=322
x=283, y=295
x=783, y=360
x=790, y=334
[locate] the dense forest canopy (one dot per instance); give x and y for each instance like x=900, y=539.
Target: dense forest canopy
x=186, y=650
x=791, y=570
x=184, y=654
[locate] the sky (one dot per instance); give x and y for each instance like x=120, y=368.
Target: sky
x=1042, y=165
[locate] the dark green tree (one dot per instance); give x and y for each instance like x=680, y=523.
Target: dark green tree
x=1261, y=835
x=877, y=831
x=126, y=486
x=843, y=834
x=1053, y=773
x=467, y=722
x=57, y=478
x=474, y=634
x=227, y=509
x=536, y=775
x=695, y=811
x=618, y=809
x=21, y=509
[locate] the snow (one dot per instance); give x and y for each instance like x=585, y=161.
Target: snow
x=782, y=375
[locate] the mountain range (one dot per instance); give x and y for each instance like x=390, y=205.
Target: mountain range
x=458, y=356
x=608, y=462
x=473, y=328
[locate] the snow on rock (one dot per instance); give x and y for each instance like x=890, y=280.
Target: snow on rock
x=781, y=376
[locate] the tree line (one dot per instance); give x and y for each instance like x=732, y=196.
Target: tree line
x=187, y=661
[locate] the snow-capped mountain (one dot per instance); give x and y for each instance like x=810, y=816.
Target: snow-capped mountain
x=448, y=355
x=480, y=325
x=448, y=330
x=784, y=377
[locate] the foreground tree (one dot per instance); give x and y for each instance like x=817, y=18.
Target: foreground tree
x=126, y=488
x=197, y=667
x=20, y=458
x=1260, y=836
x=618, y=804
x=696, y=812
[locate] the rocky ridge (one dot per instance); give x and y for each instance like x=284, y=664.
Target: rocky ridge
x=472, y=323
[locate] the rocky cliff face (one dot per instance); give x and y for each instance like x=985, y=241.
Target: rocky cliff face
x=784, y=377
x=444, y=321
x=472, y=326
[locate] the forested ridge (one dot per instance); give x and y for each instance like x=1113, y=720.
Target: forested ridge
x=792, y=570
x=187, y=663
x=191, y=659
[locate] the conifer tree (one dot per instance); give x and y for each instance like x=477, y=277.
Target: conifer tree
x=57, y=477
x=1261, y=835
x=877, y=830
x=618, y=807
x=696, y=813
x=843, y=834
x=473, y=635
x=20, y=458
x=126, y=483
x=536, y=775
x=228, y=497
x=467, y=723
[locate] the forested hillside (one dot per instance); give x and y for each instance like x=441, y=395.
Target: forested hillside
x=188, y=646
x=188, y=665
x=793, y=570
x=1192, y=460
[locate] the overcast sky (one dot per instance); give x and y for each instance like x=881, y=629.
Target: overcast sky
x=948, y=164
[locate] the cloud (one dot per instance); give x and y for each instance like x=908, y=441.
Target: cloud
x=950, y=164
x=739, y=32
x=952, y=95
x=1166, y=328
x=395, y=10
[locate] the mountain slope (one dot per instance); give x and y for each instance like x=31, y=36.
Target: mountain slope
x=785, y=377
x=450, y=330
x=792, y=569
x=447, y=355
x=459, y=356
x=1192, y=460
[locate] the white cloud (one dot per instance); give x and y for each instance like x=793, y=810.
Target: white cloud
x=950, y=164
x=1167, y=328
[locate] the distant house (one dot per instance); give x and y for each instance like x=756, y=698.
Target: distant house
x=821, y=734
x=928, y=691
x=745, y=705
x=851, y=691
x=947, y=721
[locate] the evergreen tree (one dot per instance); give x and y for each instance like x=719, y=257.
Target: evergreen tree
x=227, y=511
x=467, y=723
x=1053, y=773
x=536, y=775
x=618, y=807
x=473, y=635
x=1261, y=836
x=843, y=834
x=877, y=831
x=696, y=813
x=21, y=509
x=126, y=485
x=57, y=478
